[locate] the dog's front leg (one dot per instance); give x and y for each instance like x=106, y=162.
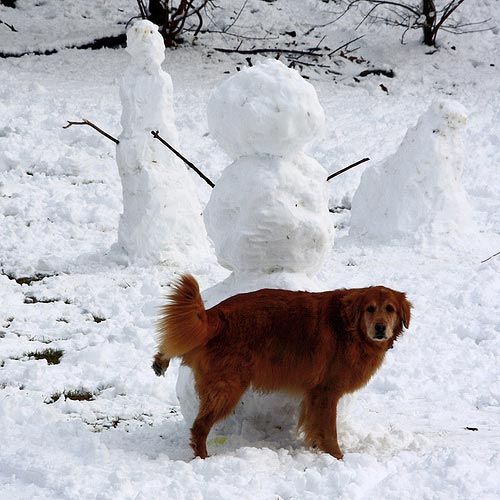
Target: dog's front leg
x=319, y=419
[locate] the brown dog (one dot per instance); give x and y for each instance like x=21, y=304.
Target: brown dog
x=320, y=345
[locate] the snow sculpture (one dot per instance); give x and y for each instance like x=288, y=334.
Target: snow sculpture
x=417, y=192
x=268, y=214
x=161, y=220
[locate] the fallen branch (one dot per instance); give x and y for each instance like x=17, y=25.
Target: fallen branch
x=95, y=127
x=342, y=170
x=310, y=53
x=156, y=135
x=8, y=26
x=486, y=260
x=100, y=43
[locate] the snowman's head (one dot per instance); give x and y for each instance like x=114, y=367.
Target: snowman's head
x=444, y=117
x=145, y=43
x=266, y=109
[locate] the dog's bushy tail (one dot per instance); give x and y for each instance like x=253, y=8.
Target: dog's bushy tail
x=183, y=324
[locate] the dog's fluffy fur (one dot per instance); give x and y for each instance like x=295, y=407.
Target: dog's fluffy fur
x=320, y=345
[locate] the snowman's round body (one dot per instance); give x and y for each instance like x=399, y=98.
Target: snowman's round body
x=161, y=220
x=268, y=214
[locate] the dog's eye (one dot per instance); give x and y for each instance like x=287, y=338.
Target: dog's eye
x=370, y=309
x=389, y=308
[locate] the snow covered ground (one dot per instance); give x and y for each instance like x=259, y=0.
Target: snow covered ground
x=427, y=426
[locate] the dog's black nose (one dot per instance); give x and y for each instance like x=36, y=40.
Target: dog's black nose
x=379, y=330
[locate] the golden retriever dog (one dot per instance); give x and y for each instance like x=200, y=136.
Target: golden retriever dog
x=318, y=345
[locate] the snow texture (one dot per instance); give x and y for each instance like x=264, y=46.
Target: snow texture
x=161, y=220
x=267, y=108
x=418, y=193
x=425, y=427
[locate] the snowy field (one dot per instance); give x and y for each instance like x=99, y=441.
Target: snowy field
x=97, y=423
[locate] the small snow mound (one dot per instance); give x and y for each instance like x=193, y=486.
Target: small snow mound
x=267, y=108
x=417, y=192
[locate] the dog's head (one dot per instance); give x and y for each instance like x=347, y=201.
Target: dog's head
x=378, y=312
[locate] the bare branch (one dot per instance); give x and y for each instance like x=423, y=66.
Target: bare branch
x=338, y=49
x=345, y=169
x=156, y=135
x=310, y=53
x=95, y=127
x=486, y=260
x=9, y=26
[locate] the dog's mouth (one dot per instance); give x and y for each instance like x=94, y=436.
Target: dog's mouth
x=379, y=337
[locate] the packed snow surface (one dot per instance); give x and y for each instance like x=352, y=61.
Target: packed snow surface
x=425, y=427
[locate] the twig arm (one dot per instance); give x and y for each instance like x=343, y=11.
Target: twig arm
x=486, y=260
x=157, y=136
x=95, y=127
x=342, y=170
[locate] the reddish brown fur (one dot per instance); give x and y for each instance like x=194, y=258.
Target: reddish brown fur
x=319, y=345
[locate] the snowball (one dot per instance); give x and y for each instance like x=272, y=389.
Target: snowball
x=269, y=214
x=418, y=190
x=267, y=108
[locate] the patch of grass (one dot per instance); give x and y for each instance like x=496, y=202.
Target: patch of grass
x=28, y=280
x=32, y=299
x=53, y=356
x=74, y=395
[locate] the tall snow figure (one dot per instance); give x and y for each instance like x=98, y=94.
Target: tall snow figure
x=268, y=214
x=161, y=220
x=273, y=196
x=417, y=193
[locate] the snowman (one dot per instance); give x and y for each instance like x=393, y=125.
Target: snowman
x=268, y=214
x=161, y=220
x=417, y=193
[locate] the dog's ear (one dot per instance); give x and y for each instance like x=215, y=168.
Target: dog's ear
x=404, y=310
x=352, y=307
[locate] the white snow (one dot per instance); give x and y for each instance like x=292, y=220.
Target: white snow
x=267, y=108
x=417, y=193
x=409, y=433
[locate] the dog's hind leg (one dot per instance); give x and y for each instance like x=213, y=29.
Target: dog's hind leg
x=318, y=418
x=160, y=364
x=217, y=400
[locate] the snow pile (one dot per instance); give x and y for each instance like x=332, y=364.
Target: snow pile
x=161, y=220
x=274, y=199
x=418, y=191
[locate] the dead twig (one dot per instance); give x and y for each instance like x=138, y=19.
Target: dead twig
x=9, y=26
x=311, y=53
x=95, y=127
x=156, y=135
x=345, y=169
x=489, y=258
x=338, y=49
